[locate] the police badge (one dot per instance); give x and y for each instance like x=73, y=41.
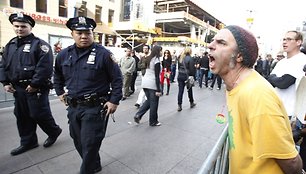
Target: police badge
x=82, y=20
x=26, y=48
x=44, y=48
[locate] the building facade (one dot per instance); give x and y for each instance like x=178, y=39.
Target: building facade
x=120, y=23
x=169, y=23
x=51, y=16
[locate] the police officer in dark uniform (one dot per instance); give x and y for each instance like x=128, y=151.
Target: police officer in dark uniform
x=93, y=84
x=25, y=71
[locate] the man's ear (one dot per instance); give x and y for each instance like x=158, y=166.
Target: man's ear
x=239, y=58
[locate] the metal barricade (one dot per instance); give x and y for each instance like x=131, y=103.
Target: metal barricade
x=217, y=160
x=4, y=96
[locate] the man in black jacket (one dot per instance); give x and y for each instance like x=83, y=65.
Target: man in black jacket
x=25, y=71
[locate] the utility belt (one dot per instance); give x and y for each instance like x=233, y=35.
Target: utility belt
x=22, y=83
x=89, y=100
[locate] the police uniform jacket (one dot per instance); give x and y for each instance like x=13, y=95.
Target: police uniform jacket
x=92, y=71
x=27, y=59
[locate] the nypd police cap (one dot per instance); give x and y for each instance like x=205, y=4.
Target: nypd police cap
x=81, y=23
x=20, y=17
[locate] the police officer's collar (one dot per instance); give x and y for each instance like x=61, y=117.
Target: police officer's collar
x=82, y=51
x=27, y=38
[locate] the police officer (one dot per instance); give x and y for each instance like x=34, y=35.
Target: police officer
x=25, y=71
x=88, y=72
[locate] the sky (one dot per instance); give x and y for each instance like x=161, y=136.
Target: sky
x=271, y=18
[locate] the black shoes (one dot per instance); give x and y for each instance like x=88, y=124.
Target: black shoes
x=179, y=108
x=137, y=119
x=137, y=105
x=98, y=169
x=23, y=148
x=192, y=105
x=51, y=140
x=156, y=124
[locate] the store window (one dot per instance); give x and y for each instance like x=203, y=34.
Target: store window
x=139, y=10
x=16, y=3
x=98, y=14
x=110, y=17
x=41, y=6
x=127, y=4
x=82, y=11
x=62, y=10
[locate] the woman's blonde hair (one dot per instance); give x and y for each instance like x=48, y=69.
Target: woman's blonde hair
x=187, y=52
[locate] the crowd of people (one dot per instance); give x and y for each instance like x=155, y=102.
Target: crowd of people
x=260, y=91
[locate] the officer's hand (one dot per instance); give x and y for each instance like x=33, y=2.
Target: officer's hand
x=31, y=89
x=62, y=98
x=9, y=88
x=111, y=108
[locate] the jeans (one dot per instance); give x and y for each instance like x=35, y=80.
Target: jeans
x=152, y=104
x=173, y=71
x=202, y=73
x=181, y=84
x=219, y=81
x=197, y=75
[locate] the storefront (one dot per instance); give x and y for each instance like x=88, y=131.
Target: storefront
x=50, y=29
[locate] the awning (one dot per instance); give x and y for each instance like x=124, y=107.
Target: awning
x=104, y=28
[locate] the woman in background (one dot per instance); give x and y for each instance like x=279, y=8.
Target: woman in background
x=186, y=68
x=165, y=73
x=151, y=86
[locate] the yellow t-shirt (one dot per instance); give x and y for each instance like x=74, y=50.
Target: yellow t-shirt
x=259, y=128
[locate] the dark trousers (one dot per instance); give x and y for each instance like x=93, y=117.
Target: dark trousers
x=87, y=129
x=152, y=104
x=173, y=72
x=219, y=81
x=181, y=85
x=303, y=152
x=32, y=109
x=202, y=74
x=134, y=76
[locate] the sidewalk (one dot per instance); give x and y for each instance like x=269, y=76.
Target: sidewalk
x=179, y=146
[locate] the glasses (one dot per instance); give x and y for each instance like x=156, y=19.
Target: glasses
x=287, y=39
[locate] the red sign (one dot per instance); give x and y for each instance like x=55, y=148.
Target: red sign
x=37, y=17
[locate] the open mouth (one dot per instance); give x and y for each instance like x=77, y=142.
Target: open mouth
x=211, y=61
x=211, y=58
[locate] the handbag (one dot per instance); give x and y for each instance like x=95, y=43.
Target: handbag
x=190, y=80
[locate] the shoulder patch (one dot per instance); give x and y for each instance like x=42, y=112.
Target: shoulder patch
x=112, y=56
x=44, y=48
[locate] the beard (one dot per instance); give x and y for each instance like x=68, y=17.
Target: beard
x=233, y=61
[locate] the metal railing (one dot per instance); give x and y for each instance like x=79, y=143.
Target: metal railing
x=4, y=96
x=217, y=160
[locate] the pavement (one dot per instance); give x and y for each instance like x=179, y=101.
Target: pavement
x=179, y=146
